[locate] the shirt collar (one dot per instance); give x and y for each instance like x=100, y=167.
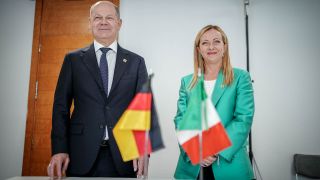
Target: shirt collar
x=113, y=46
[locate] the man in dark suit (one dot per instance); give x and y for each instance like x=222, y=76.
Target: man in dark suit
x=101, y=80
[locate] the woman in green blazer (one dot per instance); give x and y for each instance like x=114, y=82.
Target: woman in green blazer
x=231, y=92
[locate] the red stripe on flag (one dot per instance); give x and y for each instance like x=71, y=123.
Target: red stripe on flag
x=140, y=142
x=142, y=101
x=214, y=140
x=191, y=147
x=217, y=140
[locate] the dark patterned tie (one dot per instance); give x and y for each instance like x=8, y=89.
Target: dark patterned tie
x=104, y=68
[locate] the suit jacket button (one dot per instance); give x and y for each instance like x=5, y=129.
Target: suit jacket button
x=101, y=126
x=107, y=107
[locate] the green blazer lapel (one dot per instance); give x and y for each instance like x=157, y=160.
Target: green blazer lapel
x=218, y=89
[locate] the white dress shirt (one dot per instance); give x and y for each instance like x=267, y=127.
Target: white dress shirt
x=111, y=60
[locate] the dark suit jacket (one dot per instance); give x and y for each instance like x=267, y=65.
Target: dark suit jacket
x=80, y=134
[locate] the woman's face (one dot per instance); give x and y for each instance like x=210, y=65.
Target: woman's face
x=211, y=46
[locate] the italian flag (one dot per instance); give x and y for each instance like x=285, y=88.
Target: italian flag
x=137, y=132
x=201, y=126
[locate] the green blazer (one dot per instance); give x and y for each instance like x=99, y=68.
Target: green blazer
x=235, y=106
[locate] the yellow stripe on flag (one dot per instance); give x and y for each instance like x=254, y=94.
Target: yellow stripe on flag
x=126, y=143
x=135, y=120
x=123, y=132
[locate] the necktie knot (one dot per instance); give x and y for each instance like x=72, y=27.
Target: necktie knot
x=105, y=50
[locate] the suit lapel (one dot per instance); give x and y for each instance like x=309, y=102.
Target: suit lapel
x=218, y=89
x=90, y=60
x=121, y=64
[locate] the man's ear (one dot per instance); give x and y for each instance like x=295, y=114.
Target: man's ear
x=120, y=23
x=89, y=23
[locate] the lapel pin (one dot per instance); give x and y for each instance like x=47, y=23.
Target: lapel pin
x=124, y=60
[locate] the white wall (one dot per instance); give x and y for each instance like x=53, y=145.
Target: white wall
x=16, y=20
x=284, y=54
x=163, y=32
x=285, y=61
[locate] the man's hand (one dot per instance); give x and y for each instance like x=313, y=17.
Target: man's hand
x=59, y=162
x=208, y=161
x=139, y=165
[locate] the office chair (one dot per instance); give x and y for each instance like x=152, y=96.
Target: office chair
x=307, y=165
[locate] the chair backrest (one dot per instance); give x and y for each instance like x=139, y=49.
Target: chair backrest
x=307, y=165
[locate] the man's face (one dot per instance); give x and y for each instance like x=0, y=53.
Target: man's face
x=104, y=23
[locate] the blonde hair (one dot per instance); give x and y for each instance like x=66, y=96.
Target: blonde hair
x=199, y=61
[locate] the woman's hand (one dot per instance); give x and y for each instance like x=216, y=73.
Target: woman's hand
x=208, y=160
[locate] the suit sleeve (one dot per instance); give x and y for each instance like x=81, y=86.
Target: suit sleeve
x=239, y=127
x=142, y=75
x=181, y=109
x=61, y=109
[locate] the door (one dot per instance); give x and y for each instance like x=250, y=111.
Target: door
x=60, y=26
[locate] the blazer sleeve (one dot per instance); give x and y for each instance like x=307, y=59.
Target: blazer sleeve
x=181, y=109
x=61, y=109
x=239, y=127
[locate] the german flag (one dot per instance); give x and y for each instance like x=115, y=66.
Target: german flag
x=137, y=131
